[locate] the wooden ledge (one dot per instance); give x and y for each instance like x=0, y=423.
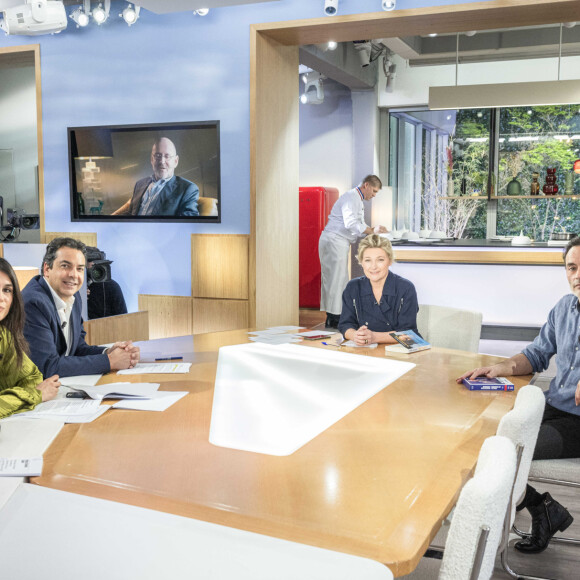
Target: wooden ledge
x=508, y=258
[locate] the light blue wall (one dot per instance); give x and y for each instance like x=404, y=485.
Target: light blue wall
x=165, y=68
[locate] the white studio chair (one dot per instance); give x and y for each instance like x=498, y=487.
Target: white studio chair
x=450, y=327
x=478, y=519
x=521, y=425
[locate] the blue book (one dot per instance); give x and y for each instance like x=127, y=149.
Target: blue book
x=410, y=340
x=487, y=384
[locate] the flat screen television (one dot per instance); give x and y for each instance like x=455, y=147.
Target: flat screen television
x=166, y=172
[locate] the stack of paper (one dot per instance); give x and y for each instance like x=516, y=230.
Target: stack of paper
x=159, y=401
x=274, y=335
x=65, y=411
x=157, y=368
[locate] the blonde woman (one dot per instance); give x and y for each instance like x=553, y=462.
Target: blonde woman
x=380, y=302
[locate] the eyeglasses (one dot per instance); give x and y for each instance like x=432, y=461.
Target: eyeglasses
x=165, y=156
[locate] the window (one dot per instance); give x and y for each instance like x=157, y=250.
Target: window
x=453, y=171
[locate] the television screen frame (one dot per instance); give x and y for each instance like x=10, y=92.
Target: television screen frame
x=134, y=143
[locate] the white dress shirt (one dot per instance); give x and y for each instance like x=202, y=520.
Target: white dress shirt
x=64, y=310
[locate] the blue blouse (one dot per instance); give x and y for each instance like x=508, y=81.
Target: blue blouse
x=397, y=309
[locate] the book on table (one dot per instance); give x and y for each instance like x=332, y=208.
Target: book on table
x=410, y=341
x=489, y=384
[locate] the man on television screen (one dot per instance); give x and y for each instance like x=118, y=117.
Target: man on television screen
x=163, y=193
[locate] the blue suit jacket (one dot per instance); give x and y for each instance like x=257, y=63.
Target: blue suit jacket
x=177, y=198
x=397, y=310
x=42, y=330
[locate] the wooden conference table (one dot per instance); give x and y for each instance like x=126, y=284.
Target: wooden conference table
x=376, y=484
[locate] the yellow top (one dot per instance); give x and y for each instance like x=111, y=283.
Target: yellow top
x=18, y=390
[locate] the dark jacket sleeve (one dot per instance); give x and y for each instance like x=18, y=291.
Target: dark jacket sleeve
x=188, y=204
x=42, y=339
x=348, y=315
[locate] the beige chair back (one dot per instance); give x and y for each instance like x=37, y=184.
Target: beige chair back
x=450, y=327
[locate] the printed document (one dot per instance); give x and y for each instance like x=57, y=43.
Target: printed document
x=157, y=368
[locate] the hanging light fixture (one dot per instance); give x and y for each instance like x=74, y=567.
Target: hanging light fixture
x=313, y=89
x=80, y=15
x=131, y=14
x=100, y=14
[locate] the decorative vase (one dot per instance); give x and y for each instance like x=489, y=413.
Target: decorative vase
x=514, y=187
x=551, y=187
x=535, y=186
x=450, y=190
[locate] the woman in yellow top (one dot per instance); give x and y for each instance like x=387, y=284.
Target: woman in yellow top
x=21, y=384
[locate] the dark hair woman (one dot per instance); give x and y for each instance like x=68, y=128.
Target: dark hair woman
x=21, y=384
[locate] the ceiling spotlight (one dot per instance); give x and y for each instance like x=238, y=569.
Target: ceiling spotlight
x=131, y=14
x=471, y=33
x=80, y=17
x=34, y=18
x=201, y=12
x=389, y=5
x=331, y=45
x=313, y=91
x=364, y=49
x=569, y=24
x=330, y=7
x=433, y=34
x=100, y=14
x=391, y=78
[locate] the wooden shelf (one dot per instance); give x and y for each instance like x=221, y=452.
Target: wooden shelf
x=535, y=197
x=464, y=197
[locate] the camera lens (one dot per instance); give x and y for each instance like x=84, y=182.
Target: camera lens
x=98, y=274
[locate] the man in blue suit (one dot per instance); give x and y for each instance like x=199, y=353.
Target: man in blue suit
x=54, y=325
x=163, y=193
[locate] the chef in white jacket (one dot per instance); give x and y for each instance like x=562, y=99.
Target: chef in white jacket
x=345, y=225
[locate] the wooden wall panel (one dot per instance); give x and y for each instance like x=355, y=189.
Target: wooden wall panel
x=25, y=274
x=133, y=326
x=219, y=266
x=88, y=238
x=168, y=315
x=217, y=315
x=273, y=182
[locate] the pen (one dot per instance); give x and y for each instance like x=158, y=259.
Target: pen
x=170, y=358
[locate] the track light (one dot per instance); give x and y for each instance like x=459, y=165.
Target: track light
x=389, y=5
x=364, y=49
x=330, y=7
x=131, y=14
x=80, y=17
x=201, y=12
x=100, y=14
x=313, y=91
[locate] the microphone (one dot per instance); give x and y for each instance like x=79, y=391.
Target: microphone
x=63, y=325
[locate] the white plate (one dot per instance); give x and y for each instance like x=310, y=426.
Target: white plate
x=425, y=241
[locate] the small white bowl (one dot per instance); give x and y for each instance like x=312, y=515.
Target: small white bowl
x=438, y=234
x=410, y=236
x=424, y=233
x=521, y=241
